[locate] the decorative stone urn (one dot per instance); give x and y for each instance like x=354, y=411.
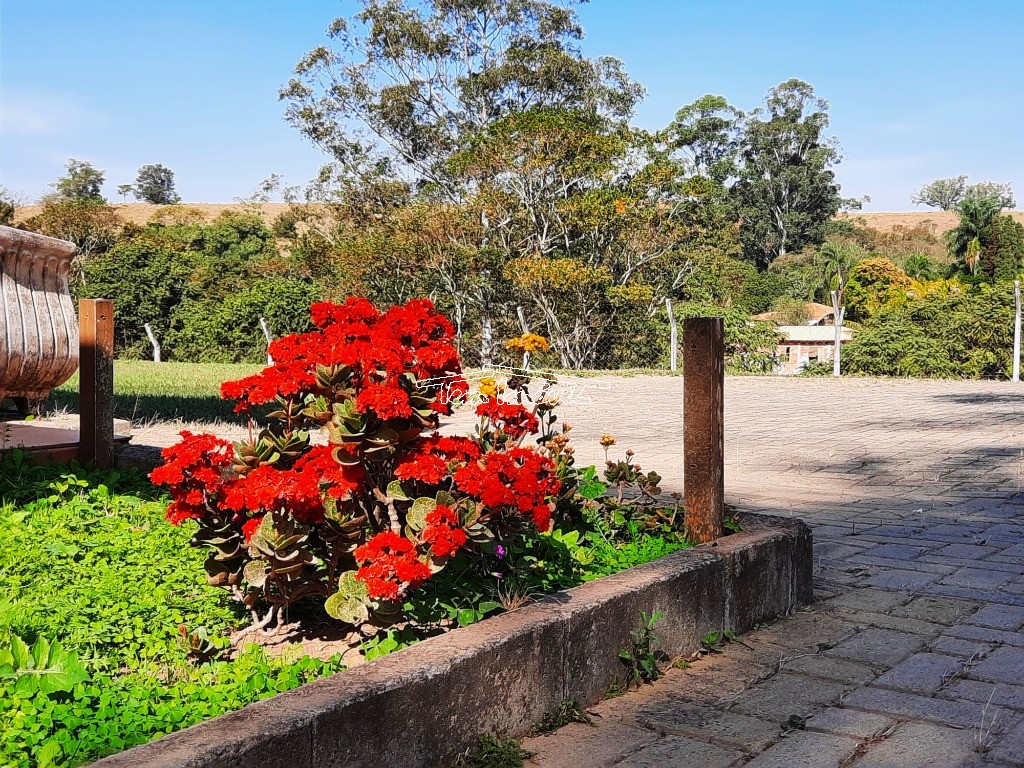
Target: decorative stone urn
x=39, y=331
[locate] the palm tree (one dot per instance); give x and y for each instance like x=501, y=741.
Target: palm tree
x=920, y=267
x=976, y=216
x=836, y=260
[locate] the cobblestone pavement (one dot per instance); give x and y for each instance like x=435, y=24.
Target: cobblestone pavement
x=913, y=654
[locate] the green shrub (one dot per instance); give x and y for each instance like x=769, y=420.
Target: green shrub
x=967, y=334
x=229, y=331
x=146, y=277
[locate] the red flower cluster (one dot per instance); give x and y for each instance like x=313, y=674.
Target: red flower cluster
x=436, y=457
x=519, y=480
x=513, y=419
x=378, y=347
x=299, y=490
x=387, y=402
x=444, y=531
x=281, y=379
x=193, y=470
x=338, y=481
x=391, y=566
x=381, y=368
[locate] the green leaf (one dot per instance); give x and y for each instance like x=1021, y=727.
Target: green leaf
x=416, y=517
x=395, y=491
x=351, y=602
x=255, y=572
x=48, y=754
x=345, y=608
x=19, y=653
x=46, y=667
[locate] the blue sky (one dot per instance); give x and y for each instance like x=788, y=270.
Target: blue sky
x=918, y=89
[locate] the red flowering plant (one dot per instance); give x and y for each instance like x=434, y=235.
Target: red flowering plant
x=370, y=514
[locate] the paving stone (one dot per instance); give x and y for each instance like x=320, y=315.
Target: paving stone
x=976, y=578
x=1003, y=595
x=787, y=694
x=971, y=632
x=920, y=745
x=898, y=551
x=910, y=705
x=875, y=600
x=605, y=743
x=804, y=748
x=805, y=629
x=955, y=646
x=831, y=668
x=928, y=476
x=1000, y=694
x=900, y=623
x=921, y=673
x=953, y=563
x=678, y=750
x=729, y=729
x=849, y=722
x=940, y=610
x=1007, y=617
x=965, y=551
x=1006, y=747
x=716, y=678
x=878, y=646
x=1003, y=665
x=887, y=564
x=902, y=580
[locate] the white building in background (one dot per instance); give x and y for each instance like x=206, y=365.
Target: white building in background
x=813, y=341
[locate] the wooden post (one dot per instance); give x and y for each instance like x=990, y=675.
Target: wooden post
x=703, y=426
x=1016, y=330
x=96, y=387
x=673, y=337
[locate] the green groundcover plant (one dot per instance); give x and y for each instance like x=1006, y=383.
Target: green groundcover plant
x=100, y=616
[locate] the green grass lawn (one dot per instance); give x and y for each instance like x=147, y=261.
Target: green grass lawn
x=146, y=391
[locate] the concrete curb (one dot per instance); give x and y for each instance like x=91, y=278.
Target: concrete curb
x=426, y=704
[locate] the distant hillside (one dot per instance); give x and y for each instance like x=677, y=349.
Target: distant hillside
x=942, y=220
x=140, y=213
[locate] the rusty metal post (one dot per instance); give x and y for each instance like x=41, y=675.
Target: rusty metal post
x=703, y=426
x=96, y=382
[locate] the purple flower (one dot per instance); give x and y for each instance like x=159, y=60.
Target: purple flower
x=499, y=551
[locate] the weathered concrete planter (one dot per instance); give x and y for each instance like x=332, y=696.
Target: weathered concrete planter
x=424, y=705
x=39, y=335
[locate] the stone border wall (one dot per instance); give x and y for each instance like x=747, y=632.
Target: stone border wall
x=426, y=704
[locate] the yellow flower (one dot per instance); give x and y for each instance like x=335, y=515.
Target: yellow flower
x=528, y=342
x=607, y=441
x=489, y=387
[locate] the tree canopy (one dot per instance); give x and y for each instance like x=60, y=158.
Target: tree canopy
x=786, y=191
x=81, y=182
x=155, y=184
